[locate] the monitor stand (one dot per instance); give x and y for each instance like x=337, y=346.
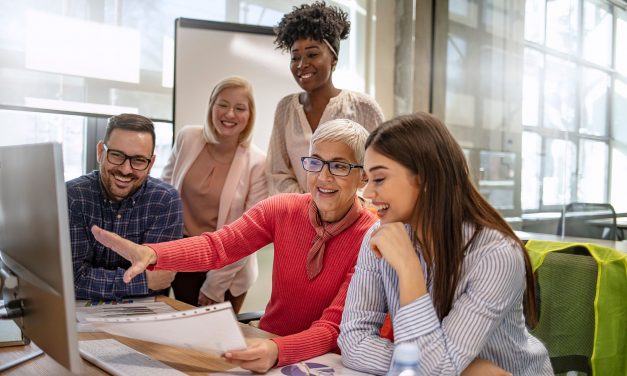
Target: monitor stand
x=10, y=308
x=11, y=334
x=24, y=354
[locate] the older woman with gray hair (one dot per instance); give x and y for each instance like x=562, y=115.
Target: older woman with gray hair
x=316, y=239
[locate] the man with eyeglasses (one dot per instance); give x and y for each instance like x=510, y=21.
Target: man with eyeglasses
x=121, y=197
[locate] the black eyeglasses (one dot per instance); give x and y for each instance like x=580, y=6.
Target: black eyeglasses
x=336, y=168
x=116, y=157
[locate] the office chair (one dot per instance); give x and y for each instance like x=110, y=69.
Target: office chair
x=588, y=220
x=247, y=317
x=566, y=283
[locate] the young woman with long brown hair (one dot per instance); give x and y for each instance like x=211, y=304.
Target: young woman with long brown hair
x=442, y=261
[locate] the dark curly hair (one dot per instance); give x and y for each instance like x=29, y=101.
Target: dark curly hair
x=317, y=21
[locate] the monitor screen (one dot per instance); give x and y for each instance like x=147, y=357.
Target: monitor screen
x=35, y=247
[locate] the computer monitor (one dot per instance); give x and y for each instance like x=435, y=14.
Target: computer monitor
x=35, y=248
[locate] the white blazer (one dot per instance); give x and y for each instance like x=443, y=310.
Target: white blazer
x=245, y=185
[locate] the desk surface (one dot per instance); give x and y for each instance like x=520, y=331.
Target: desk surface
x=619, y=245
x=189, y=362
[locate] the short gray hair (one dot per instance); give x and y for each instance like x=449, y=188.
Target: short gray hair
x=342, y=130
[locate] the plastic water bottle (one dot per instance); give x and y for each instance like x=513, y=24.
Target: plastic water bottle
x=405, y=360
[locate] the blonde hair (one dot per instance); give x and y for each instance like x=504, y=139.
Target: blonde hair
x=209, y=129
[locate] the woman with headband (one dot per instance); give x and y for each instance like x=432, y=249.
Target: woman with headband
x=311, y=34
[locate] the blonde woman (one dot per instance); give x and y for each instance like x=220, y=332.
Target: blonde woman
x=219, y=175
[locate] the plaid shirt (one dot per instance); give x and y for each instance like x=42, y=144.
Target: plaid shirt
x=153, y=214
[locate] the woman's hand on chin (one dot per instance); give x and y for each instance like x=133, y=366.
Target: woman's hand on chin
x=392, y=242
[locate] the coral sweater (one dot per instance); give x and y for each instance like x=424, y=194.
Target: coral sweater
x=305, y=313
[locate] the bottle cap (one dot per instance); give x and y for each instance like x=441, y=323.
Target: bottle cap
x=406, y=353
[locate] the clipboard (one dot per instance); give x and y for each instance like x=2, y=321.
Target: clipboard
x=212, y=329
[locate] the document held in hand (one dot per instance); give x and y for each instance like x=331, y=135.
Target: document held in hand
x=212, y=329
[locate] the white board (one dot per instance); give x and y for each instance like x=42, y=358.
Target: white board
x=208, y=51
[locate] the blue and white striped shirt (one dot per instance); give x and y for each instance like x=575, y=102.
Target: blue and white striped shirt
x=485, y=321
x=152, y=214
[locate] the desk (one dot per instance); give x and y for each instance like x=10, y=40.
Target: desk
x=619, y=245
x=189, y=362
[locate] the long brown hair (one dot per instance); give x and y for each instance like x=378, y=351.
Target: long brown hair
x=424, y=145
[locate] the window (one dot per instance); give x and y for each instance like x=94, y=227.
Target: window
x=476, y=92
x=67, y=65
x=540, y=110
x=567, y=96
x=23, y=127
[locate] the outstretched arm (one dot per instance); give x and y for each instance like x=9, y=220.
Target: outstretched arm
x=93, y=277
x=140, y=256
x=95, y=282
x=211, y=250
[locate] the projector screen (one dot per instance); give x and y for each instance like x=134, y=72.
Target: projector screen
x=207, y=51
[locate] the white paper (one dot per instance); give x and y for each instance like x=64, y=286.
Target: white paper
x=121, y=360
x=212, y=329
x=325, y=365
x=112, y=310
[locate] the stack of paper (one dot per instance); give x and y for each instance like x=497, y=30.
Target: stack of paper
x=212, y=329
x=84, y=311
